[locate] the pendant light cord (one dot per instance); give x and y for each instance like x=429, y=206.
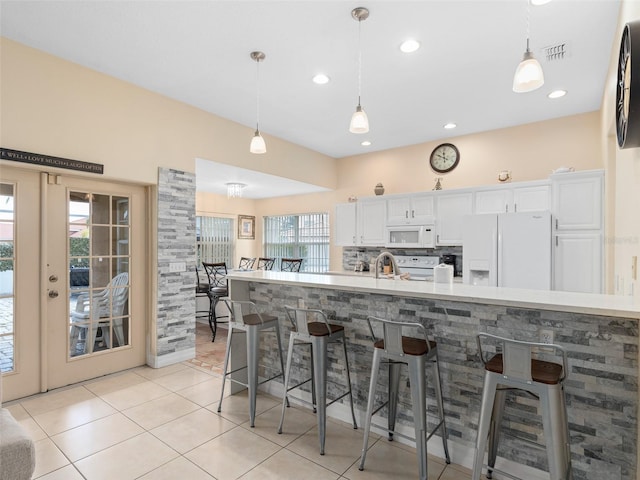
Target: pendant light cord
x=359, y=60
x=257, y=95
x=528, y=22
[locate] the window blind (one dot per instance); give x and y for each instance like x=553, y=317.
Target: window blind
x=214, y=240
x=303, y=236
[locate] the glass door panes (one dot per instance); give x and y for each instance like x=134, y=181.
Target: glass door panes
x=7, y=262
x=99, y=259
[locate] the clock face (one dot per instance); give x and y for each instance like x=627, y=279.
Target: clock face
x=444, y=158
x=627, y=93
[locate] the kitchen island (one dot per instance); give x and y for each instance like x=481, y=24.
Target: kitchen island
x=600, y=333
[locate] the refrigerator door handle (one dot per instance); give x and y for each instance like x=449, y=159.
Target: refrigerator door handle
x=500, y=262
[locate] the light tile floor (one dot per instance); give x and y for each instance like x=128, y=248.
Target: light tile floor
x=157, y=424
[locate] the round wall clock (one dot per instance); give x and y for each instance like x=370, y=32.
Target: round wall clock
x=628, y=88
x=444, y=158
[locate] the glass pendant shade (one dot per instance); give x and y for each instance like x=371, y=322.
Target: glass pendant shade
x=359, y=121
x=529, y=75
x=257, y=144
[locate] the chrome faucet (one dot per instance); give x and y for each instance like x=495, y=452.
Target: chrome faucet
x=394, y=264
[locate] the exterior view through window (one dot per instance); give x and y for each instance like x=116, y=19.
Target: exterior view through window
x=214, y=240
x=303, y=236
x=98, y=228
x=7, y=262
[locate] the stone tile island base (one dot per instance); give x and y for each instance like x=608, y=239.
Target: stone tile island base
x=602, y=389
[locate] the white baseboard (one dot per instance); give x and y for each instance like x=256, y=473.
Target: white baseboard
x=458, y=453
x=171, y=358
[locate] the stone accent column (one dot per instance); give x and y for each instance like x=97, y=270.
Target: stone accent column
x=175, y=326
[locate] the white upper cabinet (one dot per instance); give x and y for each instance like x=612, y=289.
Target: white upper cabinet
x=410, y=210
x=526, y=197
x=451, y=208
x=360, y=223
x=534, y=198
x=344, y=225
x=493, y=201
x=577, y=200
x=371, y=219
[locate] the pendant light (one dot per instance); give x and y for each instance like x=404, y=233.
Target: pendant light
x=257, y=142
x=359, y=121
x=529, y=75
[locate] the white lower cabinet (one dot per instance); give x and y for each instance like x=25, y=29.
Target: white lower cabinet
x=578, y=262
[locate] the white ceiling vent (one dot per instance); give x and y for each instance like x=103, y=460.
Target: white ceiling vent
x=559, y=51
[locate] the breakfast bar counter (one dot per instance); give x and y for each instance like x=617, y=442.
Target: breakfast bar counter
x=599, y=332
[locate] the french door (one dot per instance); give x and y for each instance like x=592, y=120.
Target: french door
x=76, y=308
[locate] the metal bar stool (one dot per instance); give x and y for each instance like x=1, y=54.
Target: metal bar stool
x=513, y=368
x=217, y=274
x=202, y=291
x=396, y=349
x=246, y=318
x=310, y=327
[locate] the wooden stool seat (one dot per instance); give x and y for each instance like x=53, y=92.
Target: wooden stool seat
x=548, y=373
x=411, y=345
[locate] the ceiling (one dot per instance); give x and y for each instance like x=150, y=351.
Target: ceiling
x=197, y=52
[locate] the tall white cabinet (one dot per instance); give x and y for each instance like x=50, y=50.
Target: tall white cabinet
x=578, y=233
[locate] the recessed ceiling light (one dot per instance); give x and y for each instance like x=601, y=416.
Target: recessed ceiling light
x=321, y=79
x=409, y=46
x=539, y=2
x=449, y=126
x=557, y=94
x=366, y=143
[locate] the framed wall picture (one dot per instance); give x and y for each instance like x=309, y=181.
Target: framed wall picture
x=246, y=227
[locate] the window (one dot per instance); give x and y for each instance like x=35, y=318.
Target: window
x=7, y=261
x=214, y=240
x=303, y=236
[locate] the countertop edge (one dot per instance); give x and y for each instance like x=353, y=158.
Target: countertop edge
x=585, y=303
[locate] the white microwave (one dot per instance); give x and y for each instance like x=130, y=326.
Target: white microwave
x=410, y=236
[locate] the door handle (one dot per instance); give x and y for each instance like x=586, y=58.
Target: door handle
x=53, y=294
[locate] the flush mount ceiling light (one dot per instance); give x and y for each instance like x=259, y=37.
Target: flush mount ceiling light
x=529, y=75
x=321, y=79
x=409, y=46
x=557, y=94
x=359, y=121
x=257, y=142
x=234, y=190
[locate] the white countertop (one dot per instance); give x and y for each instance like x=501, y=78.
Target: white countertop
x=588, y=303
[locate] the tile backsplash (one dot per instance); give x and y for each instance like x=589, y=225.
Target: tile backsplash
x=350, y=255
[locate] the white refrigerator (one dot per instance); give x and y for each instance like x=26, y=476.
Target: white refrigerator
x=507, y=250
